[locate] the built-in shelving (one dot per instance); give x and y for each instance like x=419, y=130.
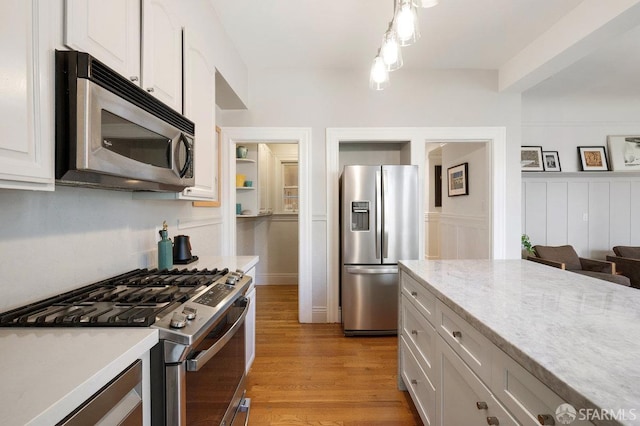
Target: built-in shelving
x=245, y=160
x=580, y=174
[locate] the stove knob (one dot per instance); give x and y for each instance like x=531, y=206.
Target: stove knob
x=231, y=280
x=178, y=320
x=190, y=312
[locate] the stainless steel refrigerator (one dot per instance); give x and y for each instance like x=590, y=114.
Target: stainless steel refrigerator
x=379, y=226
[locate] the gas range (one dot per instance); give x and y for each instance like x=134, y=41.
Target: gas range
x=177, y=302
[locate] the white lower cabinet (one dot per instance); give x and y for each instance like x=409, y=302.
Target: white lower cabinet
x=456, y=376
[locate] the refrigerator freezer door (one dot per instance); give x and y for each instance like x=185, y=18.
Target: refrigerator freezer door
x=361, y=215
x=400, y=213
x=370, y=299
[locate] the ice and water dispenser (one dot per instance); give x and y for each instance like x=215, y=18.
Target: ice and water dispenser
x=360, y=215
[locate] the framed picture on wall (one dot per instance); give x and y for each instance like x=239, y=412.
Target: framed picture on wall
x=625, y=153
x=531, y=159
x=551, y=161
x=457, y=180
x=593, y=158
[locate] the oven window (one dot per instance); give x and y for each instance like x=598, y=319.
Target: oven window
x=213, y=388
x=135, y=142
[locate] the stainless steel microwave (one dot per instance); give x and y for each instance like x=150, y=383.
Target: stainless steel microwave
x=113, y=134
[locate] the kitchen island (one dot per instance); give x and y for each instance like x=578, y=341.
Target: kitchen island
x=575, y=335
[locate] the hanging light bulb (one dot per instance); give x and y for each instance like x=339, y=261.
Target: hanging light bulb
x=379, y=77
x=390, y=50
x=425, y=3
x=406, y=23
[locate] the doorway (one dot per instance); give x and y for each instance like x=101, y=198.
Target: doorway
x=232, y=136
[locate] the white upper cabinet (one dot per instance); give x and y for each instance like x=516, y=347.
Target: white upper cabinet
x=108, y=30
x=200, y=106
x=26, y=94
x=162, y=53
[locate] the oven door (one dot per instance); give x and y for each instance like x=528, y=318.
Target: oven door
x=216, y=372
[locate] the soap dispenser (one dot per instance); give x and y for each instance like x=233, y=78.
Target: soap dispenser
x=165, y=249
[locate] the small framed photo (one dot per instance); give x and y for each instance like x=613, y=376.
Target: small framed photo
x=531, y=159
x=593, y=158
x=551, y=161
x=625, y=153
x=457, y=180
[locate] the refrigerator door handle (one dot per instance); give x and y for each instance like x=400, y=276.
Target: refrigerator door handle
x=378, y=213
x=371, y=271
x=385, y=240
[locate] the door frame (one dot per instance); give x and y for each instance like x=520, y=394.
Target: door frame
x=417, y=137
x=302, y=136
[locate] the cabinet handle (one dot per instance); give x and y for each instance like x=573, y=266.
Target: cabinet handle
x=457, y=334
x=546, y=420
x=414, y=332
x=482, y=405
x=414, y=293
x=133, y=78
x=493, y=421
x=149, y=89
x=414, y=382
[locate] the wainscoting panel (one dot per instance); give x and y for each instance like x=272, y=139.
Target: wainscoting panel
x=591, y=213
x=464, y=237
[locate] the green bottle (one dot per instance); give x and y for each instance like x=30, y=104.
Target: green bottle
x=165, y=249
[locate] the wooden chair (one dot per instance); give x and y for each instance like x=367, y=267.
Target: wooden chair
x=627, y=260
x=565, y=257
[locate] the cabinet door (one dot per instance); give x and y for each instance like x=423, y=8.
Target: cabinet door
x=200, y=106
x=463, y=398
x=162, y=53
x=26, y=96
x=250, y=329
x=265, y=178
x=108, y=30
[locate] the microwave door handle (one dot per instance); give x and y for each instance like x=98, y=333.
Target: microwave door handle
x=196, y=363
x=188, y=160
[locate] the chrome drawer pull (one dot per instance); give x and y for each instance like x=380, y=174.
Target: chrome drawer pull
x=493, y=421
x=546, y=420
x=457, y=334
x=415, y=332
x=482, y=405
x=414, y=293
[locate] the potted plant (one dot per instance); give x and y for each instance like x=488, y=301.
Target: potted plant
x=527, y=248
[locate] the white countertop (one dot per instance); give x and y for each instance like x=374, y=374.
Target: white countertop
x=579, y=335
x=47, y=373
x=244, y=263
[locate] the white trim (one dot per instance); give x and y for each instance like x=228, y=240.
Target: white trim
x=495, y=137
x=197, y=223
x=320, y=314
x=281, y=278
x=302, y=136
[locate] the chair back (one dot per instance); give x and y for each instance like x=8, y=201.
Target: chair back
x=627, y=251
x=564, y=254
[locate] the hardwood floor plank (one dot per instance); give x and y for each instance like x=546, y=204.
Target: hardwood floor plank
x=310, y=374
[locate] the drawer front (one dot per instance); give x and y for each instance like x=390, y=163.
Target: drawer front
x=523, y=394
x=421, y=389
x=422, y=298
x=466, y=341
x=420, y=335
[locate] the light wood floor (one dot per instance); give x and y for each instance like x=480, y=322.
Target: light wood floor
x=310, y=374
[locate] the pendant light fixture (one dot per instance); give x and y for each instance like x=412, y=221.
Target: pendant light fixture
x=403, y=30
x=379, y=77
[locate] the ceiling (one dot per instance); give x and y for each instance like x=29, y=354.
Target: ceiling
x=468, y=34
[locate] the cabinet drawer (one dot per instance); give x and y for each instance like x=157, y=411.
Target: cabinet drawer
x=422, y=298
x=421, y=389
x=466, y=341
x=523, y=394
x=420, y=335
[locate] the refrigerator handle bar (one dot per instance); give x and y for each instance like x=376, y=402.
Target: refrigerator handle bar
x=378, y=213
x=385, y=239
x=372, y=271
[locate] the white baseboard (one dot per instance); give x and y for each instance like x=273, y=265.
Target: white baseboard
x=277, y=279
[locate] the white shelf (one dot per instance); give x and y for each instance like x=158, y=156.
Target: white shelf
x=245, y=188
x=254, y=215
x=245, y=160
x=580, y=174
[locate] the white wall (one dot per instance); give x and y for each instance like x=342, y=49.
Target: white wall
x=593, y=212
x=52, y=242
x=341, y=98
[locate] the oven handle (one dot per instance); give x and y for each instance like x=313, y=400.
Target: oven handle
x=196, y=363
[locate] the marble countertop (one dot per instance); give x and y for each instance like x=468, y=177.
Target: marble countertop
x=45, y=374
x=579, y=335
